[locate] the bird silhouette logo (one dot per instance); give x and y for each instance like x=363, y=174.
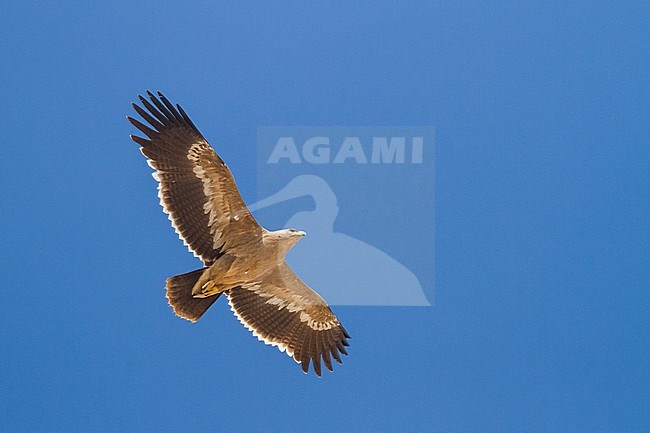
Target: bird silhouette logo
x=350, y=271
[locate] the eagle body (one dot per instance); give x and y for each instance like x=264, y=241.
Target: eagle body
x=247, y=265
x=242, y=260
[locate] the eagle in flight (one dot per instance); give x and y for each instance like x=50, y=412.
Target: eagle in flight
x=241, y=259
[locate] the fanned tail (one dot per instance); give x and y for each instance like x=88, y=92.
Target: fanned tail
x=179, y=295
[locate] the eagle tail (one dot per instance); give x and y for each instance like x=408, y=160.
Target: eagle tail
x=179, y=295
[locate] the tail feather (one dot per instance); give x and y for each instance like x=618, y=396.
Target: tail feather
x=179, y=295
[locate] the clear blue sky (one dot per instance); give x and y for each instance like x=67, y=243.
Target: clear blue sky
x=540, y=316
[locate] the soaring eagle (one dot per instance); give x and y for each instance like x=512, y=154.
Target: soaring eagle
x=241, y=259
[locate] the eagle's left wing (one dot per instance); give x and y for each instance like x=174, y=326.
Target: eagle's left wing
x=196, y=187
x=283, y=311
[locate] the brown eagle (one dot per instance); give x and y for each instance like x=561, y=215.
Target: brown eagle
x=241, y=259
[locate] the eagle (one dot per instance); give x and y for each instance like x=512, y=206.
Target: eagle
x=241, y=259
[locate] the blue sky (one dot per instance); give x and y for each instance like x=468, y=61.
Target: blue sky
x=540, y=319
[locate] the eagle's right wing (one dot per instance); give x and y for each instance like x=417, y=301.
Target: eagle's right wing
x=283, y=311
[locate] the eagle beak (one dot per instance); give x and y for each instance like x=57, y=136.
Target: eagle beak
x=301, y=233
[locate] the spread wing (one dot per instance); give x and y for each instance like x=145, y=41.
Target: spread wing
x=195, y=187
x=283, y=311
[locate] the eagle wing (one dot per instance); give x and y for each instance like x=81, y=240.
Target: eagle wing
x=283, y=311
x=195, y=187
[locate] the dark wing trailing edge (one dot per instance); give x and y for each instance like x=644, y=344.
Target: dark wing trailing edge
x=283, y=311
x=195, y=187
